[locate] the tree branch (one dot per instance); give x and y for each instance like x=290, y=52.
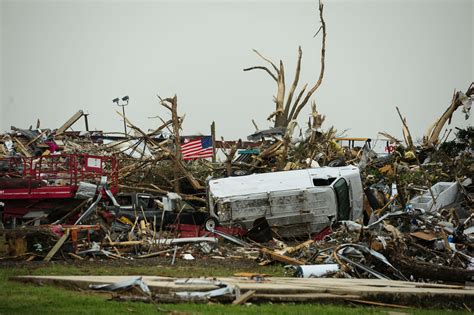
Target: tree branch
x=275, y=113
x=263, y=68
x=255, y=125
x=321, y=73
x=280, y=119
x=406, y=131
x=294, y=85
x=295, y=105
x=266, y=59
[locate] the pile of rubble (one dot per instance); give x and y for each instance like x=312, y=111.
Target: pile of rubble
x=321, y=209
x=290, y=195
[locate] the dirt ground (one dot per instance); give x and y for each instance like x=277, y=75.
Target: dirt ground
x=201, y=265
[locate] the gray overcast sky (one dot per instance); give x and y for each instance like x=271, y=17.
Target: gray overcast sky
x=61, y=56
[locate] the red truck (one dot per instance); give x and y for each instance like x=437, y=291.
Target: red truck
x=45, y=187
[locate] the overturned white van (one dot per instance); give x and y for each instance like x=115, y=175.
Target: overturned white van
x=297, y=202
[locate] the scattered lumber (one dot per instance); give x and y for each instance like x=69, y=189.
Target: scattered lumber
x=244, y=297
x=387, y=293
x=281, y=258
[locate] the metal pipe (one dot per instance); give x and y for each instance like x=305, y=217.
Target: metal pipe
x=124, y=122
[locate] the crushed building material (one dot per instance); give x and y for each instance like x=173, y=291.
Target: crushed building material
x=354, y=219
x=288, y=289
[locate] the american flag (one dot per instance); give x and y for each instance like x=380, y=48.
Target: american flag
x=196, y=148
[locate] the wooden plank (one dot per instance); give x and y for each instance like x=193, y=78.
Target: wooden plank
x=304, y=297
x=125, y=243
x=364, y=282
x=76, y=256
x=70, y=122
x=281, y=258
x=351, y=139
x=36, y=138
x=107, y=236
x=244, y=297
x=22, y=148
x=250, y=275
x=290, y=250
x=275, y=289
x=155, y=253
x=57, y=246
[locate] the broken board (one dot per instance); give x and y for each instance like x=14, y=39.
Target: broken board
x=307, y=290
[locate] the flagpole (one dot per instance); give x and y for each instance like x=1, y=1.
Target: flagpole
x=213, y=135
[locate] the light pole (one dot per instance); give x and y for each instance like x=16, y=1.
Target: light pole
x=125, y=100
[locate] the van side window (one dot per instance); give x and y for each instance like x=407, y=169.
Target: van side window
x=323, y=181
x=343, y=201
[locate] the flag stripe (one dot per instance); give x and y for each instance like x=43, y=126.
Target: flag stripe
x=198, y=156
x=197, y=152
x=193, y=149
x=191, y=152
x=194, y=153
x=204, y=155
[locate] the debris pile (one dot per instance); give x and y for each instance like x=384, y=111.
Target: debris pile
x=319, y=208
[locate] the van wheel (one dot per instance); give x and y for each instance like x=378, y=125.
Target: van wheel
x=240, y=172
x=337, y=162
x=210, y=224
x=238, y=225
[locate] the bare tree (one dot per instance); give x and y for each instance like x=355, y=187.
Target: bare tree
x=171, y=104
x=288, y=110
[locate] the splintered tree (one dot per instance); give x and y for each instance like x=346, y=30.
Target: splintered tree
x=179, y=170
x=171, y=103
x=459, y=99
x=286, y=109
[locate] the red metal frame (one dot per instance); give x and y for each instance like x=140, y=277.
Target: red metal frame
x=57, y=175
x=191, y=230
x=75, y=229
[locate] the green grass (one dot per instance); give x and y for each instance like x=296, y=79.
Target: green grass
x=18, y=298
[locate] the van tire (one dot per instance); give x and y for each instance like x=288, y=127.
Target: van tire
x=210, y=224
x=337, y=162
x=241, y=172
x=238, y=225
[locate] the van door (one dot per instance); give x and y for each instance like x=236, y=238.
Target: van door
x=343, y=200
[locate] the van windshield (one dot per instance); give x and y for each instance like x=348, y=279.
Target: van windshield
x=343, y=202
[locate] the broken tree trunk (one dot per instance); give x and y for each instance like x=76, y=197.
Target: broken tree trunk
x=172, y=105
x=229, y=157
x=316, y=122
x=284, y=110
x=406, y=132
x=300, y=106
x=459, y=99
